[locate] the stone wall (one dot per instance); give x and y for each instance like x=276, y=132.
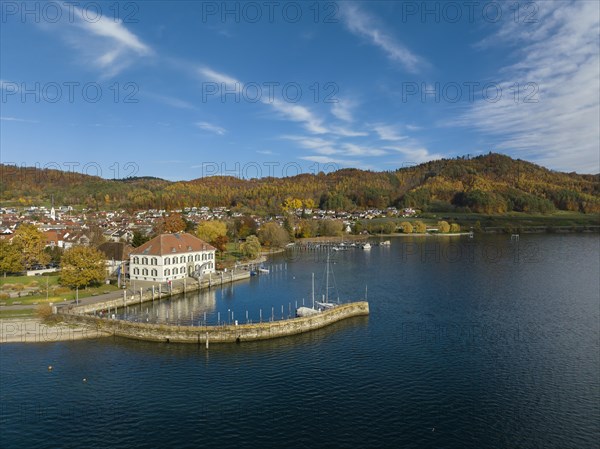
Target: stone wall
x=220, y=334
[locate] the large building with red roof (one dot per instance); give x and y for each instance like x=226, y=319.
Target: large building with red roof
x=171, y=256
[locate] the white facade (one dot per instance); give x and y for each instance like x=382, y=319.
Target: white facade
x=171, y=256
x=171, y=267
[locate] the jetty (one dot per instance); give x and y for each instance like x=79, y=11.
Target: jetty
x=230, y=333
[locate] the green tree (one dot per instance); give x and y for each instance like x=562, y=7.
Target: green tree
x=420, y=227
x=251, y=247
x=55, y=253
x=210, y=230
x=138, y=239
x=407, y=228
x=10, y=258
x=272, y=234
x=443, y=227
x=82, y=266
x=30, y=242
x=454, y=228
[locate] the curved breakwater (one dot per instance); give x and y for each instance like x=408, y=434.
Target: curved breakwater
x=220, y=334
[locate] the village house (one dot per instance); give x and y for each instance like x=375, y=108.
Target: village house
x=171, y=256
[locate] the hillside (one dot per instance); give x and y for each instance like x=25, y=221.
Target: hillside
x=491, y=184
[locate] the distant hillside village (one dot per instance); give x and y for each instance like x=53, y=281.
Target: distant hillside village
x=120, y=235
x=65, y=227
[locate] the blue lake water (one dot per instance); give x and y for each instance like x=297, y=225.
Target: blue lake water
x=471, y=343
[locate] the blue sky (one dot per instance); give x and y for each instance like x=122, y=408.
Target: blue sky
x=183, y=90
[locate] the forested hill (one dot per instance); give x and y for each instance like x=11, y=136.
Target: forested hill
x=492, y=184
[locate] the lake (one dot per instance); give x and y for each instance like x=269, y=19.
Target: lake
x=471, y=343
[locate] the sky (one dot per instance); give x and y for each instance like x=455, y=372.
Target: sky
x=183, y=90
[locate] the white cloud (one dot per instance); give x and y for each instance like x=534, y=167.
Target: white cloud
x=414, y=154
x=332, y=160
x=343, y=110
x=345, y=132
x=351, y=149
x=105, y=43
x=15, y=119
x=298, y=113
x=217, y=77
x=362, y=24
x=387, y=132
x=211, y=128
x=560, y=55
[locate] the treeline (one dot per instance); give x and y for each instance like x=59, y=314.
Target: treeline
x=491, y=184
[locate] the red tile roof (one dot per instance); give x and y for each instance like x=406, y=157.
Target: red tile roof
x=166, y=244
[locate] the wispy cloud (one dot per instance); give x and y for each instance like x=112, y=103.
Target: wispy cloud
x=298, y=113
x=345, y=132
x=555, y=120
x=388, y=132
x=343, y=110
x=414, y=154
x=361, y=23
x=206, y=126
x=15, y=119
x=170, y=101
x=218, y=77
x=105, y=43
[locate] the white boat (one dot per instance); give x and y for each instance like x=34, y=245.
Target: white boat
x=263, y=270
x=385, y=243
x=318, y=306
x=366, y=246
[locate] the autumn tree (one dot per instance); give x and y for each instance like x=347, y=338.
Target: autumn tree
x=251, y=247
x=30, y=242
x=220, y=242
x=307, y=228
x=10, y=258
x=82, y=266
x=331, y=228
x=272, y=234
x=455, y=228
x=174, y=223
x=407, y=228
x=210, y=230
x=419, y=227
x=443, y=227
x=245, y=226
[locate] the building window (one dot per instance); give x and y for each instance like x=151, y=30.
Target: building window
x=167, y=272
x=153, y=261
x=144, y=261
x=190, y=258
x=136, y=260
x=197, y=258
x=145, y=272
x=154, y=272
x=167, y=260
x=136, y=271
x=175, y=260
x=175, y=270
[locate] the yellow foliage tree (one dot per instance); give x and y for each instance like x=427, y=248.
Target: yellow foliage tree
x=210, y=230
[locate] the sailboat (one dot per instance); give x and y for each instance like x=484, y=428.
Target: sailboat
x=307, y=311
x=318, y=306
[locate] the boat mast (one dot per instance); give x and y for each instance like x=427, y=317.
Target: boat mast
x=313, y=290
x=327, y=279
